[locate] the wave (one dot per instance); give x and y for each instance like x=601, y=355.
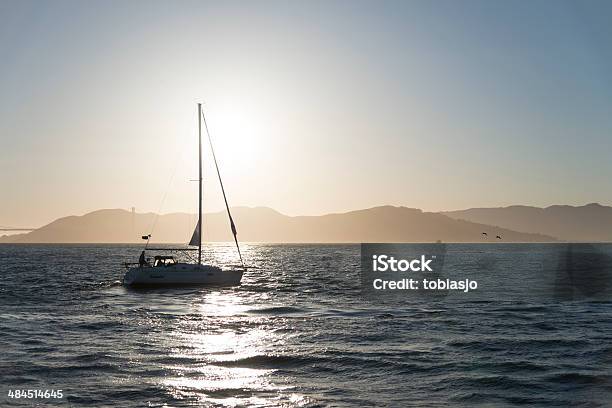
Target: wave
x=267, y=361
x=277, y=310
x=575, y=378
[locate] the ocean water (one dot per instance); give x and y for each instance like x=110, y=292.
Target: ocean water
x=297, y=332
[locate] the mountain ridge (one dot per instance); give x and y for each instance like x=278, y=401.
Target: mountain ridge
x=263, y=224
x=588, y=223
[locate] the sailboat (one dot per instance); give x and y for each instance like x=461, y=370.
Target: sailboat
x=165, y=270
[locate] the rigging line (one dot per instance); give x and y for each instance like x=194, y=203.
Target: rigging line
x=161, y=204
x=229, y=214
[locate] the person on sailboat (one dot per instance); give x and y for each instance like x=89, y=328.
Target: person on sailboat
x=142, y=261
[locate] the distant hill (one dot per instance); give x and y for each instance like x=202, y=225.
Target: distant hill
x=591, y=222
x=379, y=224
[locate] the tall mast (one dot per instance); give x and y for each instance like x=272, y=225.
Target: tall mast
x=200, y=185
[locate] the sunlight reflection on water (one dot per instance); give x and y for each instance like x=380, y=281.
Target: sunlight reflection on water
x=223, y=347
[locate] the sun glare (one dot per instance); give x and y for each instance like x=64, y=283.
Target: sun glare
x=237, y=135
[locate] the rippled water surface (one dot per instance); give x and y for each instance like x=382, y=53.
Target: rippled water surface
x=295, y=333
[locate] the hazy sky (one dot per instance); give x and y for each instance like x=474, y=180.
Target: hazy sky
x=315, y=107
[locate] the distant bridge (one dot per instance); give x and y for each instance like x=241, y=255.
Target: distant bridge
x=15, y=229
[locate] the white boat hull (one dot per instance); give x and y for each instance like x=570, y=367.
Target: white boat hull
x=182, y=274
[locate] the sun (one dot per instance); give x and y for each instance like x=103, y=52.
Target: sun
x=236, y=135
